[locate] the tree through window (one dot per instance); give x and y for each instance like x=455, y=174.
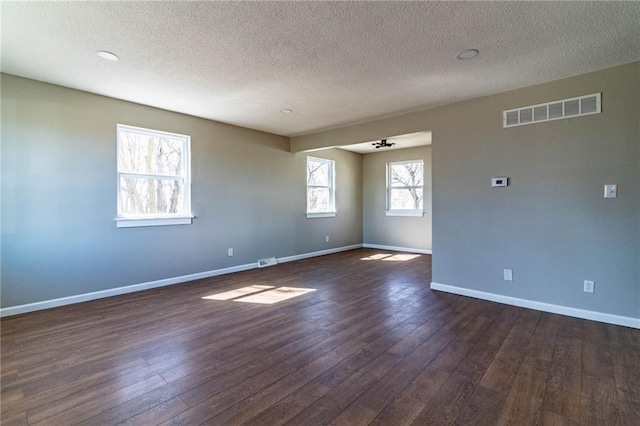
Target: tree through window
x=153, y=175
x=405, y=186
x=320, y=187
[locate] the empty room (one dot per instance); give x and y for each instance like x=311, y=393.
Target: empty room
x=312, y=213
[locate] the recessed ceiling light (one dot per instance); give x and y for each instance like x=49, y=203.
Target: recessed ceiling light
x=107, y=55
x=468, y=54
x=286, y=111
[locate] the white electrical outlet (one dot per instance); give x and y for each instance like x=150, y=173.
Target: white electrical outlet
x=610, y=191
x=230, y=252
x=589, y=286
x=326, y=239
x=508, y=275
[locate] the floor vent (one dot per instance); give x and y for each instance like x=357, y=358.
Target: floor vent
x=263, y=263
x=556, y=110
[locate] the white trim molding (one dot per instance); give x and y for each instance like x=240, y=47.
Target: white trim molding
x=85, y=297
x=127, y=222
x=319, y=215
x=318, y=253
x=63, y=301
x=407, y=213
x=540, y=306
x=394, y=248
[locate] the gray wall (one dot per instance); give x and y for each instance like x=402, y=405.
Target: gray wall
x=59, y=237
x=552, y=226
x=408, y=232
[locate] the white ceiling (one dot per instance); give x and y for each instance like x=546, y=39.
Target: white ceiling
x=410, y=140
x=332, y=63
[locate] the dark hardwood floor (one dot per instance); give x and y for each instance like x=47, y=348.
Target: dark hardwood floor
x=372, y=345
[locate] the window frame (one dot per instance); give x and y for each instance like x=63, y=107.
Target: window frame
x=332, y=188
x=403, y=212
x=183, y=218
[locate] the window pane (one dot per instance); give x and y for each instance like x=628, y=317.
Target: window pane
x=318, y=200
x=140, y=196
x=317, y=173
x=406, y=199
x=407, y=174
x=141, y=153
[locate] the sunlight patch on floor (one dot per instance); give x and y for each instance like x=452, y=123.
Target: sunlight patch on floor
x=274, y=296
x=227, y=295
x=401, y=257
x=391, y=257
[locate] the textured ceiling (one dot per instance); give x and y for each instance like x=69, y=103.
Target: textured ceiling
x=332, y=63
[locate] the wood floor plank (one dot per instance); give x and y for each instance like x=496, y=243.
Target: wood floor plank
x=599, y=400
x=523, y=403
x=445, y=405
x=485, y=407
x=265, y=398
x=413, y=398
x=562, y=393
x=543, y=341
x=430, y=353
x=626, y=367
x=506, y=363
x=19, y=419
x=84, y=410
x=373, y=344
x=552, y=419
x=158, y=414
x=337, y=399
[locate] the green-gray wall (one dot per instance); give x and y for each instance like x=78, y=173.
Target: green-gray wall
x=395, y=231
x=59, y=237
x=552, y=226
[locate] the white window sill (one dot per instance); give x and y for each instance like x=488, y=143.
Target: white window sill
x=414, y=213
x=318, y=215
x=130, y=222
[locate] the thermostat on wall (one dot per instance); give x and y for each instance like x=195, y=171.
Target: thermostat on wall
x=499, y=181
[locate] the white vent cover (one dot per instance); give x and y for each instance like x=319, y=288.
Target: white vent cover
x=263, y=263
x=556, y=110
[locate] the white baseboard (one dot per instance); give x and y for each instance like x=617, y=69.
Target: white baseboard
x=540, y=306
x=318, y=253
x=394, y=248
x=54, y=303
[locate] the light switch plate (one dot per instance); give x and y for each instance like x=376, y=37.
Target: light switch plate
x=610, y=191
x=508, y=275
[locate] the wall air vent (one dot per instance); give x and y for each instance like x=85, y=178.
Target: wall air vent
x=263, y=263
x=556, y=110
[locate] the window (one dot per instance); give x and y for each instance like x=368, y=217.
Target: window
x=320, y=188
x=405, y=187
x=154, y=185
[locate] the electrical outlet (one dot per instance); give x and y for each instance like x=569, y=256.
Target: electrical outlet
x=508, y=275
x=326, y=239
x=589, y=286
x=230, y=252
x=610, y=191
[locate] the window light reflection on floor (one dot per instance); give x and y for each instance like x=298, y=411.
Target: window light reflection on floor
x=228, y=295
x=391, y=257
x=262, y=294
x=274, y=296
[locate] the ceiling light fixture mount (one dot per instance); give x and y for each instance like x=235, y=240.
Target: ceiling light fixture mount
x=286, y=111
x=467, y=54
x=109, y=56
x=383, y=144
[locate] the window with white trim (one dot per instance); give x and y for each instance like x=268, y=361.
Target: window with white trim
x=405, y=188
x=320, y=188
x=154, y=177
